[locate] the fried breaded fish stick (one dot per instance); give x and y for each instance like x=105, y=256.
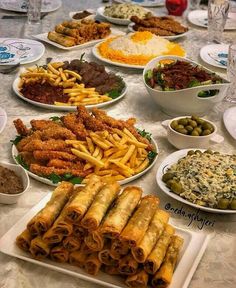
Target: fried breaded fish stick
x=66, y=41
x=43, y=124
x=37, y=144
x=57, y=133
x=21, y=128
x=48, y=155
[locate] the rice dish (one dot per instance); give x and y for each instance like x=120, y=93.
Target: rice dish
x=138, y=48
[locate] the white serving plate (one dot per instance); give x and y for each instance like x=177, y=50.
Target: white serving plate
x=170, y=160
x=90, y=17
x=118, y=21
x=15, y=86
x=145, y=3
x=193, y=249
x=14, y=153
x=21, y=6
x=130, y=28
x=229, y=119
x=199, y=18
x=213, y=50
x=44, y=37
x=3, y=119
x=22, y=51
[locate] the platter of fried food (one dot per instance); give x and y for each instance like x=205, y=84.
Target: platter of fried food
x=163, y=26
x=64, y=85
x=73, y=34
x=80, y=144
x=107, y=236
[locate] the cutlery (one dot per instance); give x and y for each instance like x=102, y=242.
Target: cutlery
x=222, y=62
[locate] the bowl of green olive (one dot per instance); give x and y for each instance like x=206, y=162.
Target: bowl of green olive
x=191, y=131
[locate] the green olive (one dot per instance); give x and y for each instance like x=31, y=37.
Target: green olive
x=223, y=203
x=190, y=152
x=170, y=182
x=200, y=121
x=176, y=187
x=197, y=152
x=194, y=133
x=206, y=132
x=183, y=121
x=194, y=117
x=167, y=176
x=206, y=126
x=233, y=204
x=182, y=131
x=174, y=124
x=179, y=127
x=189, y=128
x=193, y=123
x=208, y=151
x=198, y=129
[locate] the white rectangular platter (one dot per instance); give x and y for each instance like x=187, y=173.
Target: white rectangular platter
x=191, y=254
x=44, y=37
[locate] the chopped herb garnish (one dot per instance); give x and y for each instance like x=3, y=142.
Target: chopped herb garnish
x=145, y=134
x=66, y=177
x=114, y=94
x=16, y=140
x=152, y=155
x=20, y=161
x=55, y=118
x=76, y=180
x=54, y=178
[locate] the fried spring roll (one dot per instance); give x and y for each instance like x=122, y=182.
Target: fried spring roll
x=85, y=249
x=138, y=280
x=92, y=264
x=42, y=221
x=79, y=231
x=128, y=265
x=62, y=39
x=94, y=240
x=59, y=254
x=139, y=222
x=111, y=270
x=39, y=248
x=119, y=215
x=23, y=240
x=118, y=249
x=100, y=205
x=71, y=243
x=155, y=229
x=105, y=257
x=154, y=260
x=78, y=258
x=71, y=24
x=80, y=204
x=65, y=30
x=164, y=275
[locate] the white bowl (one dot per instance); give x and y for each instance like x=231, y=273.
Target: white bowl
x=185, y=101
x=12, y=198
x=90, y=17
x=182, y=141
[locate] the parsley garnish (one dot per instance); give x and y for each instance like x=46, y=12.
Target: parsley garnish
x=114, y=94
x=145, y=134
x=151, y=156
x=20, y=161
x=16, y=140
x=55, y=118
x=66, y=177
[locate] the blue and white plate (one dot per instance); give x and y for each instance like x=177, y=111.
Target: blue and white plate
x=145, y=3
x=21, y=5
x=215, y=55
x=16, y=50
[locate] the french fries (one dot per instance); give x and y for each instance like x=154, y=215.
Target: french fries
x=57, y=76
x=110, y=159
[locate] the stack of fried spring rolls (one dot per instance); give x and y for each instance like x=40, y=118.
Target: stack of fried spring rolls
x=71, y=33
x=122, y=234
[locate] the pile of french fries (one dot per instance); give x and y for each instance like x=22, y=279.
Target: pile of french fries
x=57, y=76
x=115, y=156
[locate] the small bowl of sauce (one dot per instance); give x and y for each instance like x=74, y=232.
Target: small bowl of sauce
x=14, y=181
x=88, y=14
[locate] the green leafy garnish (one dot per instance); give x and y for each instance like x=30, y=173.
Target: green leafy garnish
x=194, y=83
x=16, y=140
x=114, y=93
x=21, y=161
x=66, y=177
x=55, y=118
x=145, y=134
x=148, y=75
x=152, y=155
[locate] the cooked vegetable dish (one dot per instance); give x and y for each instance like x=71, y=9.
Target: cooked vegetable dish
x=170, y=75
x=193, y=126
x=204, y=178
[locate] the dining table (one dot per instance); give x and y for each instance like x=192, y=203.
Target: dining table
x=217, y=267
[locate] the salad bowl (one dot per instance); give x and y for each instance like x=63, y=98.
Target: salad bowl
x=197, y=100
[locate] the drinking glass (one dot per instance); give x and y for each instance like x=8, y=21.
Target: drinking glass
x=217, y=15
x=231, y=74
x=34, y=11
x=194, y=4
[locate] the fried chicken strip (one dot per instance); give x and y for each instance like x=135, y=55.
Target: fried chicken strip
x=57, y=163
x=57, y=133
x=48, y=155
x=52, y=144
x=46, y=171
x=75, y=124
x=102, y=115
x=20, y=145
x=43, y=124
x=21, y=128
